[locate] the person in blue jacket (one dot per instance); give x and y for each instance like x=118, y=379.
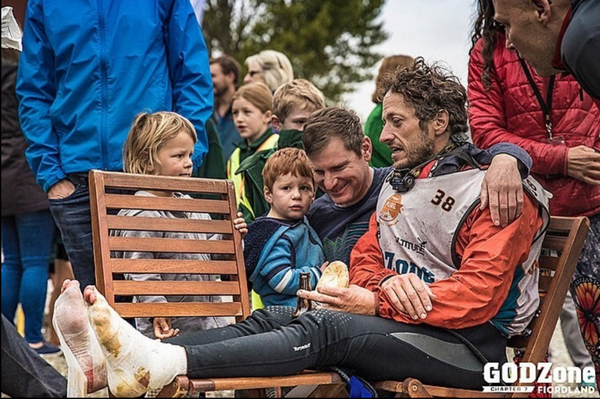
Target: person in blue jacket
x=87, y=68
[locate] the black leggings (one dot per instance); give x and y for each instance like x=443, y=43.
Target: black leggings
x=24, y=373
x=271, y=343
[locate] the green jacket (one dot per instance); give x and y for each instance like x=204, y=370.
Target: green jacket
x=251, y=170
x=382, y=156
x=213, y=165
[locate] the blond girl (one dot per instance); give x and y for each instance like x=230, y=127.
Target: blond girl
x=162, y=144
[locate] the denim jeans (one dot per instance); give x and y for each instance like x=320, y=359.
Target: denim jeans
x=26, y=241
x=24, y=373
x=73, y=218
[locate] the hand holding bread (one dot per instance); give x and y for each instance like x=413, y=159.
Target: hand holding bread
x=334, y=275
x=334, y=292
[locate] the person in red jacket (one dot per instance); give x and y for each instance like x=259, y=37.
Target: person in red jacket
x=559, y=126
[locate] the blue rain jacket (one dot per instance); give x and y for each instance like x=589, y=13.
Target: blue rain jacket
x=89, y=66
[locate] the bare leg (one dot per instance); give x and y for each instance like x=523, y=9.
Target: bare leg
x=135, y=364
x=87, y=366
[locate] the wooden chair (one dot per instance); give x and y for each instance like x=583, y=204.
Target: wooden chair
x=231, y=263
x=564, y=238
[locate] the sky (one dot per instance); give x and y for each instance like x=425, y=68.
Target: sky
x=438, y=30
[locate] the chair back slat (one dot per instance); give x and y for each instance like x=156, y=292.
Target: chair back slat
x=111, y=192
x=549, y=262
x=149, y=182
x=172, y=288
x=563, y=242
x=131, y=244
x=170, y=225
x=135, y=266
x=554, y=242
x=117, y=201
x=216, y=309
x=544, y=284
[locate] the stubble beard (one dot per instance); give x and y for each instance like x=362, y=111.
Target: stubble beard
x=418, y=154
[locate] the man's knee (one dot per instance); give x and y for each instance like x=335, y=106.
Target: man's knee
x=283, y=314
x=325, y=318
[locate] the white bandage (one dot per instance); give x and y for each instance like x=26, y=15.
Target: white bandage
x=135, y=363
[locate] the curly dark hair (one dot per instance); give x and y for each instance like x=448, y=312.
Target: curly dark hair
x=487, y=28
x=430, y=89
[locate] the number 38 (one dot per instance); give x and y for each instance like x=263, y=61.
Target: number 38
x=446, y=204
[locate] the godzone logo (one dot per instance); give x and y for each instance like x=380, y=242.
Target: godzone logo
x=542, y=373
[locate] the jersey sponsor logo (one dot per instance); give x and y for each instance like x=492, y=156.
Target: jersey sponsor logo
x=391, y=209
x=402, y=266
x=411, y=246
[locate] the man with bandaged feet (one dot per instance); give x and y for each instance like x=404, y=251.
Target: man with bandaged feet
x=435, y=286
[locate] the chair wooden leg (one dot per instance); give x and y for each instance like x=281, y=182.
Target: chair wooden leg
x=176, y=389
x=415, y=389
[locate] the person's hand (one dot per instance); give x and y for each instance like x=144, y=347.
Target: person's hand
x=409, y=294
x=353, y=299
x=502, y=190
x=62, y=189
x=324, y=266
x=583, y=163
x=240, y=224
x=162, y=328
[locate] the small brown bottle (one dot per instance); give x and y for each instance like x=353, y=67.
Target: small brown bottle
x=304, y=305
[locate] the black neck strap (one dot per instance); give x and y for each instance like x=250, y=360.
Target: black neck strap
x=546, y=105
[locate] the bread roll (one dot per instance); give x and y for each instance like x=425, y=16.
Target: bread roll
x=335, y=275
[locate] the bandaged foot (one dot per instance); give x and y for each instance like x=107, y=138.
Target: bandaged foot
x=135, y=363
x=85, y=360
